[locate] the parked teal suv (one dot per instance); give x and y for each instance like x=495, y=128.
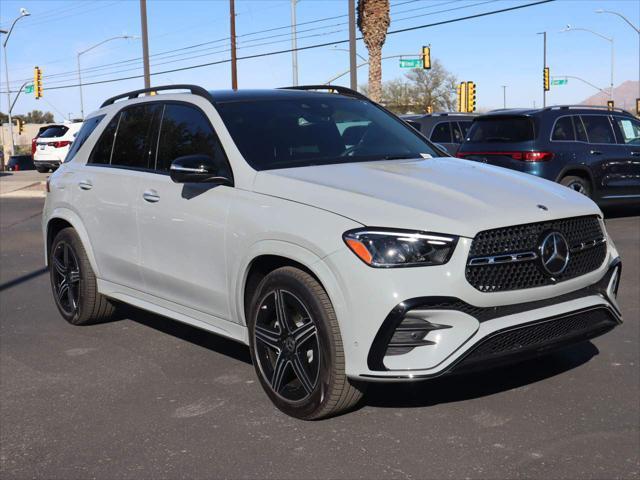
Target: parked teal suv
x=592, y=150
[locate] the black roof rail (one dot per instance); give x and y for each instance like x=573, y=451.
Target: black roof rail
x=337, y=88
x=586, y=107
x=194, y=89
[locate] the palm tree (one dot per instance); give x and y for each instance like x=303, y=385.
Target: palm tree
x=373, y=22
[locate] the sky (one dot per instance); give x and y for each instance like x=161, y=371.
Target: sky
x=492, y=51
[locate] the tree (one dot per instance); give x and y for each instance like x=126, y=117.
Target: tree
x=421, y=89
x=37, y=116
x=373, y=22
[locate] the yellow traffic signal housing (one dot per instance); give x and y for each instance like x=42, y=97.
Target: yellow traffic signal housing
x=37, y=82
x=471, y=97
x=20, y=125
x=426, y=58
x=462, y=97
x=610, y=104
x=546, y=82
x=638, y=106
x=429, y=109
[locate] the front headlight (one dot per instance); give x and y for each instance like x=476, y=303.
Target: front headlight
x=384, y=248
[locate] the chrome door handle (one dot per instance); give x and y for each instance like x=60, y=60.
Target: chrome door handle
x=595, y=152
x=85, y=184
x=151, y=196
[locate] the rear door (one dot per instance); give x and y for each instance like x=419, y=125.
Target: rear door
x=604, y=155
x=182, y=226
x=107, y=188
x=625, y=175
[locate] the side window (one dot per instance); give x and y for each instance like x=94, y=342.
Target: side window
x=136, y=136
x=581, y=134
x=87, y=129
x=563, y=130
x=629, y=129
x=458, y=135
x=101, y=153
x=185, y=131
x=464, y=126
x=441, y=133
x=598, y=129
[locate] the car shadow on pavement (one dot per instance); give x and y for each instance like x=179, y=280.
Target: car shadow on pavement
x=24, y=278
x=461, y=387
x=202, y=338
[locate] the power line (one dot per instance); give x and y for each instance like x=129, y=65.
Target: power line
x=309, y=47
x=73, y=73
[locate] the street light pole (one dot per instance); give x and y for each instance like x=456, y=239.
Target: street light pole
x=504, y=96
x=294, y=44
x=23, y=13
x=232, y=31
x=145, y=43
x=569, y=28
x=637, y=31
x=353, y=67
x=79, y=70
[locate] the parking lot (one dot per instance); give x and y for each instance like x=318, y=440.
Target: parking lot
x=146, y=397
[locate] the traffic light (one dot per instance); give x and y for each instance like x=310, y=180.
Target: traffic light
x=37, y=82
x=20, y=125
x=610, y=104
x=471, y=97
x=462, y=97
x=426, y=58
x=545, y=79
x=429, y=109
x=638, y=106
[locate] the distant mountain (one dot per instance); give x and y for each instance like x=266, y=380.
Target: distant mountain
x=624, y=96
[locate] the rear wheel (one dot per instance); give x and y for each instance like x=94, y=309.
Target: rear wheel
x=578, y=184
x=296, y=346
x=73, y=282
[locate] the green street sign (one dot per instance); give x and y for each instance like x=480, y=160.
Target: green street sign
x=28, y=88
x=410, y=62
x=560, y=81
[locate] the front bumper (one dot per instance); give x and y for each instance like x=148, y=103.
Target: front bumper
x=457, y=326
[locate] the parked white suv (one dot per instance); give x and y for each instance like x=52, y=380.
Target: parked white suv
x=248, y=214
x=52, y=145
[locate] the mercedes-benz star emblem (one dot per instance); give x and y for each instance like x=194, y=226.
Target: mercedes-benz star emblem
x=554, y=253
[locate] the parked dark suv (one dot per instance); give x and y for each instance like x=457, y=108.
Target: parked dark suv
x=589, y=149
x=446, y=129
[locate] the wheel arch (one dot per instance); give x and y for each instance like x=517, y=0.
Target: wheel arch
x=62, y=218
x=268, y=255
x=578, y=171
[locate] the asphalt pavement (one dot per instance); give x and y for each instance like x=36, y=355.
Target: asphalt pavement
x=144, y=397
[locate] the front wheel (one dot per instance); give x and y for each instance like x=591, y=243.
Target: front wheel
x=296, y=346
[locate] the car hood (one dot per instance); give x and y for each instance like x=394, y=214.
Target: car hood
x=444, y=195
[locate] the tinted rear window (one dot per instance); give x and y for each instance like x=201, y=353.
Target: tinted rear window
x=136, y=136
x=502, y=130
x=54, y=131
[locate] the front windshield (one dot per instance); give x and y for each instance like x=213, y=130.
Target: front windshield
x=316, y=130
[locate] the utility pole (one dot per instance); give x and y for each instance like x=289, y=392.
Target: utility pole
x=353, y=67
x=234, y=61
x=294, y=44
x=145, y=43
x=504, y=96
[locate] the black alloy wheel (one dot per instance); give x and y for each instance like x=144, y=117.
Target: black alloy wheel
x=66, y=278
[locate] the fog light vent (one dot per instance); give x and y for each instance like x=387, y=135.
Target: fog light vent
x=411, y=333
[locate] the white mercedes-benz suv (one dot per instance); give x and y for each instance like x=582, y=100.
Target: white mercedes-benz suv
x=325, y=233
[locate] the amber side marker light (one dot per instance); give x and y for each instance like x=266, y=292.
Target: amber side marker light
x=360, y=250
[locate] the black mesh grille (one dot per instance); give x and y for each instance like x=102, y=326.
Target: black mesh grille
x=526, y=238
x=578, y=326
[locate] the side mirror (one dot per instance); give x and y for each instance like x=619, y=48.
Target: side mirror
x=200, y=169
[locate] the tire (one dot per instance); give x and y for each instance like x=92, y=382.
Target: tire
x=73, y=282
x=578, y=184
x=311, y=343
x=42, y=169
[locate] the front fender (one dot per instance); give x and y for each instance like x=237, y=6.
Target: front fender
x=74, y=220
x=293, y=252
